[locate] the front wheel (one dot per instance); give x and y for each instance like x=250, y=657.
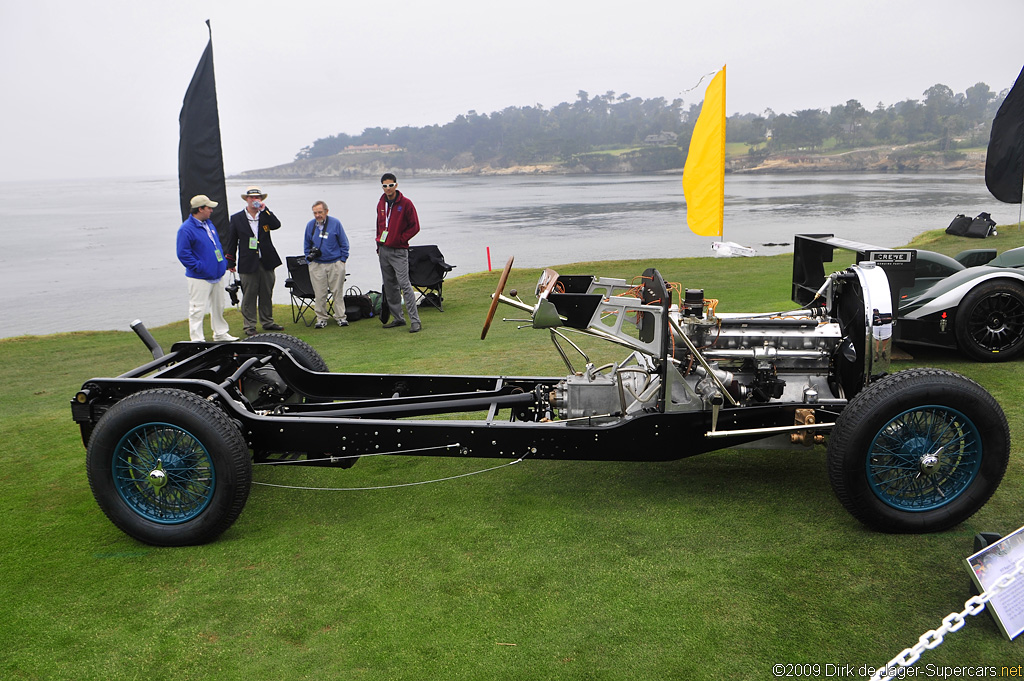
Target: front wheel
x=918, y=451
x=169, y=468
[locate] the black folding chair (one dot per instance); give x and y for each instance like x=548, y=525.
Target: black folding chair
x=427, y=270
x=301, y=289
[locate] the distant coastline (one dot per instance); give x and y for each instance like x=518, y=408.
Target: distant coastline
x=900, y=159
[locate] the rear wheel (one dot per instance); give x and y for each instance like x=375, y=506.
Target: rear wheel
x=918, y=451
x=990, y=322
x=302, y=351
x=169, y=468
x=263, y=385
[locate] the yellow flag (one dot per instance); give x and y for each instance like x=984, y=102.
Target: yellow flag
x=704, y=173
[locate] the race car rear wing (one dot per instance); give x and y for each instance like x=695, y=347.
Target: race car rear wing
x=812, y=251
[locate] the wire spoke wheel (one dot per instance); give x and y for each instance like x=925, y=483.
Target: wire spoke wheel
x=920, y=450
x=169, y=467
x=924, y=458
x=164, y=473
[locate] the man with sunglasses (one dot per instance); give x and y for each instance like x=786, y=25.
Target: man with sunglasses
x=397, y=222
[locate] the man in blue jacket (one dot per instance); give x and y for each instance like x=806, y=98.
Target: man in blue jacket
x=326, y=249
x=199, y=250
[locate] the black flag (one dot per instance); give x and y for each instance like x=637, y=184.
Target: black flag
x=200, y=162
x=1004, y=165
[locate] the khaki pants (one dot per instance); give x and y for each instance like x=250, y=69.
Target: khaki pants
x=328, y=277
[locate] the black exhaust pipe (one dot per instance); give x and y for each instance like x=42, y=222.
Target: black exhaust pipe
x=143, y=333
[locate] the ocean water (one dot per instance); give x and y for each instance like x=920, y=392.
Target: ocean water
x=97, y=254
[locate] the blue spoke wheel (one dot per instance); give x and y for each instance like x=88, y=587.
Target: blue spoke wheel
x=169, y=468
x=918, y=451
x=924, y=458
x=164, y=473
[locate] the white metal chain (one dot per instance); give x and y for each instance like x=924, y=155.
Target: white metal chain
x=951, y=622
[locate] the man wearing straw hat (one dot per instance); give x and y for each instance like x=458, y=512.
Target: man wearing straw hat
x=250, y=249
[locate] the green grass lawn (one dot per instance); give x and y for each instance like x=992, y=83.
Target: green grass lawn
x=713, y=567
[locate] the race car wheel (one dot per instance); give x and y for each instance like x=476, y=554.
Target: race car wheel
x=918, y=451
x=169, y=468
x=990, y=322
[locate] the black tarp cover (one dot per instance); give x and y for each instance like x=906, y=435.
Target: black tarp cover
x=200, y=161
x=1004, y=164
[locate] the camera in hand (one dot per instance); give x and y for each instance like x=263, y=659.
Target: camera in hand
x=314, y=253
x=233, y=288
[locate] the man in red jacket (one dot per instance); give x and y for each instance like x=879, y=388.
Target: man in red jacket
x=397, y=222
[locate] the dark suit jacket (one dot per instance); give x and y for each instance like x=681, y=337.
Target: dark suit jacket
x=238, y=235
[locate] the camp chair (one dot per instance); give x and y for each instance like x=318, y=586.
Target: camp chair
x=301, y=289
x=427, y=270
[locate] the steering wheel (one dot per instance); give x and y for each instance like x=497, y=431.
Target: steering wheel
x=497, y=294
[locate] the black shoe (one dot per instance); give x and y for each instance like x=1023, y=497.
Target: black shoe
x=273, y=326
x=250, y=332
x=414, y=327
x=394, y=322
x=321, y=325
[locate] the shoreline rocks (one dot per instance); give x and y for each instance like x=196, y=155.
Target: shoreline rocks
x=901, y=159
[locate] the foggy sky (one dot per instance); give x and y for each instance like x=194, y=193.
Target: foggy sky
x=94, y=89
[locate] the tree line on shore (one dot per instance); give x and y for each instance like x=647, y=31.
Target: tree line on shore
x=579, y=133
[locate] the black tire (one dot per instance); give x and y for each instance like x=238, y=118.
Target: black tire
x=990, y=322
x=264, y=387
x=302, y=351
x=169, y=468
x=918, y=451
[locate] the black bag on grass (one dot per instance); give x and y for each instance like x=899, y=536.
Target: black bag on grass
x=357, y=305
x=959, y=225
x=981, y=227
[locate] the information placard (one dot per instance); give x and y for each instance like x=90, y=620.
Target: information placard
x=991, y=563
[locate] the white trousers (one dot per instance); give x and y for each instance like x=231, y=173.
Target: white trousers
x=203, y=295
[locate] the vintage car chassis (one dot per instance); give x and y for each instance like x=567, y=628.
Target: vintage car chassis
x=171, y=444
